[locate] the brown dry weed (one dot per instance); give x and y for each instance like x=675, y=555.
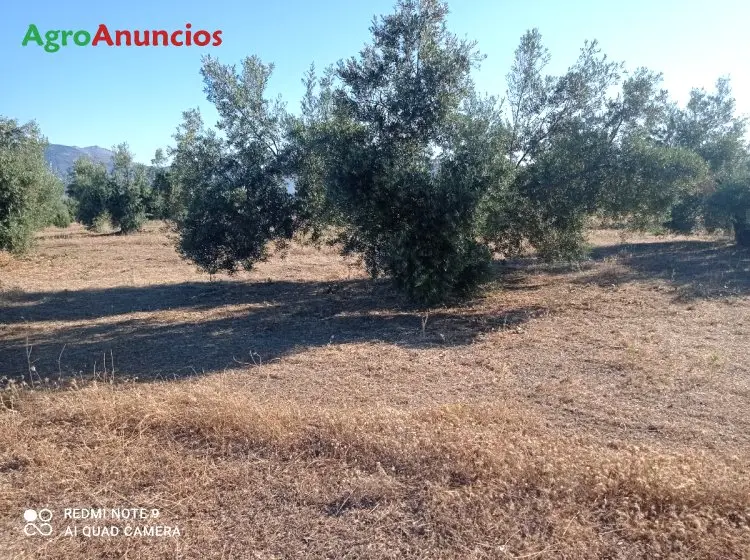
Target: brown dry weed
x=301, y=410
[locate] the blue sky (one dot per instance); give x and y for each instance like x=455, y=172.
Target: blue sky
x=102, y=96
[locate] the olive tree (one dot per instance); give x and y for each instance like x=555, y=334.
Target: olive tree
x=399, y=150
x=31, y=197
x=233, y=186
x=578, y=150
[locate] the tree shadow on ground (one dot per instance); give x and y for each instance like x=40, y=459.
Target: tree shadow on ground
x=167, y=331
x=178, y=330
x=697, y=269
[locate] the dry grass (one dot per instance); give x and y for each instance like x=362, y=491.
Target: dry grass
x=597, y=411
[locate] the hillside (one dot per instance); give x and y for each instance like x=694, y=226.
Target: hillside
x=62, y=158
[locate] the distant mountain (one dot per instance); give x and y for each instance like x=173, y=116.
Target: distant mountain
x=61, y=158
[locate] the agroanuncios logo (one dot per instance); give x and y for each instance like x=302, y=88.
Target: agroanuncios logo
x=54, y=39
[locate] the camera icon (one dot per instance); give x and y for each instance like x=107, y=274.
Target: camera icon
x=37, y=522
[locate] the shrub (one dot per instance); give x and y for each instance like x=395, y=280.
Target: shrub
x=121, y=194
x=62, y=217
x=102, y=223
x=29, y=193
x=406, y=172
x=229, y=220
x=686, y=214
x=236, y=198
x=729, y=209
x=90, y=189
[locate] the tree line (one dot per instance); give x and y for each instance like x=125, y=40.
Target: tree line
x=395, y=157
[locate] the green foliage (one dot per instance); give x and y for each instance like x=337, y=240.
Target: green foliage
x=653, y=180
x=399, y=163
x=577, y=151
x=236, y=200
x=91, y=189
x=227, y=225
x=728, y=208
x=102, y=223
x=129, y=191
x=30, y=195
x=709, y=128
x=62, y=216
x=121, y=194
x=163, y=201
x=305, y=157
x=193, y=157
x=685, y=215
x=423, y=179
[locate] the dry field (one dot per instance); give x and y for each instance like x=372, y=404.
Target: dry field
x=305, y=411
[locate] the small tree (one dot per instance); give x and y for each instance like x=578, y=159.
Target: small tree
x=129, y=191
x=30, y=195
x=709, y=127
x=163, y=202
x=62, y=216
x=91, y=189
x=236, y=199
x=121, y=194
x=304, y=158
x=399, y=168
x=729, y=208
x=577, y=151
